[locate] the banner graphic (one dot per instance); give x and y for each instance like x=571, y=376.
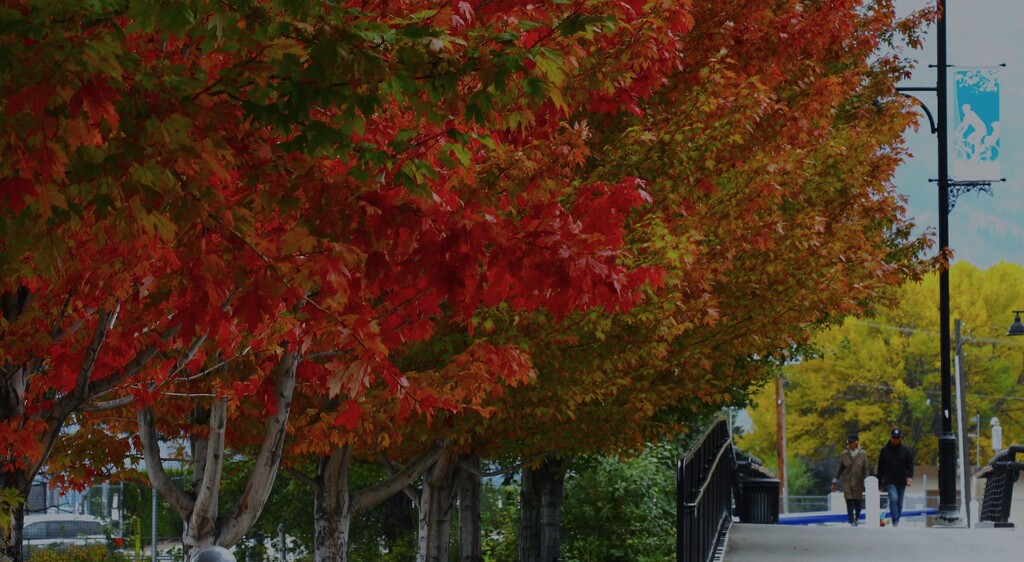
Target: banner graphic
x=975, y=136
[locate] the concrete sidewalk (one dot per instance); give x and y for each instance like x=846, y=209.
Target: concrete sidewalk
x=782, y=543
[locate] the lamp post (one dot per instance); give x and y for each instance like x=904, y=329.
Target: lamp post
x=1016, y=329
x=948, y=512
x=949, y=190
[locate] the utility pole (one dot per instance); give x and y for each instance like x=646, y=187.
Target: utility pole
x=961, y=424
x=780, y=443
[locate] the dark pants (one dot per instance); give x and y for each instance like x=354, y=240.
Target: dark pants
x=895, y=501
x=853, y=508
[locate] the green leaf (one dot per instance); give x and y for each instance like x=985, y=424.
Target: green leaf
x=551, y=66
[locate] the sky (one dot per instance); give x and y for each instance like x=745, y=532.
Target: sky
x=983, y=229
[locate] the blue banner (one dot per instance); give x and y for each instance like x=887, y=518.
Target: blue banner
x=975, y=136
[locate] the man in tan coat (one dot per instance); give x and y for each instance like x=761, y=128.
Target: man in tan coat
x=850, y=475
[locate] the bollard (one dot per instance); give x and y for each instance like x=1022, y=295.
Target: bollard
x=214, y=554
x=872, y=503
x=836, y=502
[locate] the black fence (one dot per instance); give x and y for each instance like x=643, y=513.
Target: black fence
x=704, y=482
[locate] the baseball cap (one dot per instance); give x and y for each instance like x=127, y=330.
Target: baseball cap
x=852, y=437
x=896, y=433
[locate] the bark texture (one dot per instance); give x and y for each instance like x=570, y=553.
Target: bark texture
x=435, y=502
x=336, y=503
x=541, y=496
x=470, y=529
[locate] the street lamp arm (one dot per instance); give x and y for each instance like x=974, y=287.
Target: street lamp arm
x=931, y=119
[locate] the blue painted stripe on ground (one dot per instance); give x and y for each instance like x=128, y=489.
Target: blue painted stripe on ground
x=818, y=517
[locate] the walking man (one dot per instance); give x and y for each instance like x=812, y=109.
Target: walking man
x=895, y=472
x=852, y=470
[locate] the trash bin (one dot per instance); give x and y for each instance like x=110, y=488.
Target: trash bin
x=759, y=502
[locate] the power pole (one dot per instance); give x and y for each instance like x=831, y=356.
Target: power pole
x=780, y=443
x=961, y=424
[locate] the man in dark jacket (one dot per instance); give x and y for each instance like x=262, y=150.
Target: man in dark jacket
x=895, y=472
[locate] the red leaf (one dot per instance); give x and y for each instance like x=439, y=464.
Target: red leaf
x=96, y=99
x=350, y=415
x=13, y=193
x=252, y=308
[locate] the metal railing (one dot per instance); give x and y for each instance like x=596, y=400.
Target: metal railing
x=704, y=483
x=1000, y=476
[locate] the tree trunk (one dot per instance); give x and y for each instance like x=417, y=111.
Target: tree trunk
x=435, y=509
x=332, y=508
x=336, y=503
x=198, y=509
x=331, y=530
x=551, y=508
x=10, y=541
x=529, y=516
x=470, y=547
x=541, y=495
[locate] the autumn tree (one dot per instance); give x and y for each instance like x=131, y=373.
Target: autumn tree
x=760, y=232
x=853, y=250
x=289, y=184
x=755, y=269
x=207, y=187
x=876, y=372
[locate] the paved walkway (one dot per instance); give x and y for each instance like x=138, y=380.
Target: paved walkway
x=784, y=543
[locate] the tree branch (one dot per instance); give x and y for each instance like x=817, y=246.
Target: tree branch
x=204, y=514
x=181, y=501
x=257, y=489
x=373, y=495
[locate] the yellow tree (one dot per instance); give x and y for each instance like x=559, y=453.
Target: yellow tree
x=870, y=374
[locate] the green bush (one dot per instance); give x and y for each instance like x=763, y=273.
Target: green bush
x=621, y=510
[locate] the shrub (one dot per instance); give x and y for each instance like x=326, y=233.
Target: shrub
x=89, y=553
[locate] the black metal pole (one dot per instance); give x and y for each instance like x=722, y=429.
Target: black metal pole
x=947, y=441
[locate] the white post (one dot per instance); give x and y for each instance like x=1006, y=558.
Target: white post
x=997, y=435
x=836, y=502
x=872, y=502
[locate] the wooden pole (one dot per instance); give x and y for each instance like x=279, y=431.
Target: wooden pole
x=780, y=443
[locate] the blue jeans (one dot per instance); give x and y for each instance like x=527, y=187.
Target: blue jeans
x=895, y=501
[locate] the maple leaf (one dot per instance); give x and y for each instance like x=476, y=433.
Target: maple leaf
x=253, y=308
x=97, y=98
x=16, y=192
x=349, y=416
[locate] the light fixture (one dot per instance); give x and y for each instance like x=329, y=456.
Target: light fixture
x=1016, y=329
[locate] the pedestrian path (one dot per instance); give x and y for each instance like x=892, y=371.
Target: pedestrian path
x=840, y=543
